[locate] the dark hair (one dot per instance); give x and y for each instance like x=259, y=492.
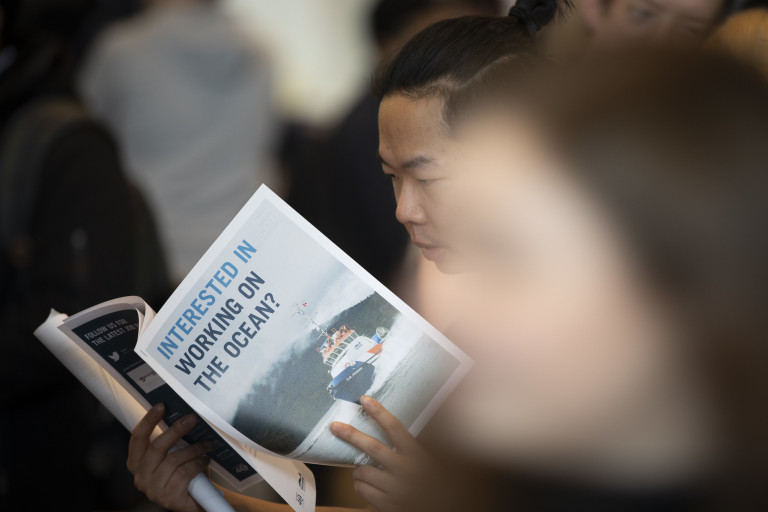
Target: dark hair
x=447, y=57
x=389, y=17
x=673, y=146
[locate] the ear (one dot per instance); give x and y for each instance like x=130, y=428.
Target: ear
x=593, y=12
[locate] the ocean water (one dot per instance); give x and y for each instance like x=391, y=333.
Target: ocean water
x=410, y=371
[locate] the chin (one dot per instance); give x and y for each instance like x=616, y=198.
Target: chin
x=449, y=265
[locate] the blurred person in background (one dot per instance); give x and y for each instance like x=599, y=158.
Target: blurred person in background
x=620, y=23
x=73, y=233
x=189, y=99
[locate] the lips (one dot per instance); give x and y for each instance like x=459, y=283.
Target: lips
x=422, y=244
x=430, y=251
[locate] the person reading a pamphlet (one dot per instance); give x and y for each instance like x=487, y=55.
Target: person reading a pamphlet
x=620, y=353
x=522, y=45
x=620, y=350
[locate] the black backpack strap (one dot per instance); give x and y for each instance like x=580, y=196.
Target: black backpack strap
x=25, y=142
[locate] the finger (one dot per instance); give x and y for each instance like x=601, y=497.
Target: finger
x=370, y=445
x=397, y=434
x=158, y=449
x=140, y=436
x=377, y=498
x=178, y=458
x=380, y=479
x=179, y=483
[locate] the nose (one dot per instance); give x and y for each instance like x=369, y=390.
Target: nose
x=664, y=33
x=409, y=207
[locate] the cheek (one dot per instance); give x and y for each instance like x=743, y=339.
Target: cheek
x=551, y=356
x=621, y=25
x=446, y=205
x=568, y=342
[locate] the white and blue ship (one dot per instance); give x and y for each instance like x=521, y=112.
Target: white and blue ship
x=351, y=358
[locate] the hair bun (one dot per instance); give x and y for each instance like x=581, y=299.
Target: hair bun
x=536, y=13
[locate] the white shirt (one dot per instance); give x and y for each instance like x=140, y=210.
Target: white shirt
x=189, y=100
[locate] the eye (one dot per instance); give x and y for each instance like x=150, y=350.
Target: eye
x=426, y=182
x=640, y=13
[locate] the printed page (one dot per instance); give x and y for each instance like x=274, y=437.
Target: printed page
x=276, y=333
x=116, y=399
x=107, y=333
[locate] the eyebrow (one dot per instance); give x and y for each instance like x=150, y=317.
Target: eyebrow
x=690, y=19
x=413, y=163
x=651, y=3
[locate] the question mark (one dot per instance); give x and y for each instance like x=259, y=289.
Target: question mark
x=271, y=298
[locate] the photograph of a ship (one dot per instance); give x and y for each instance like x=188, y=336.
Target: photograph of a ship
x=368, y=348
x=351, y=357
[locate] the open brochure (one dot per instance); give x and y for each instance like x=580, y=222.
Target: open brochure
x=273, y=335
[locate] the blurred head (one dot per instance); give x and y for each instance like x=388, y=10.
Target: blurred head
x=663, y=22
x=628, y=319
x=419, y=147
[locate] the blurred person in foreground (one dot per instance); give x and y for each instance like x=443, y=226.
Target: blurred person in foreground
x=73, y=233
x=189, y=99
x=661, y=432
x=621, y=343
x=619, y=23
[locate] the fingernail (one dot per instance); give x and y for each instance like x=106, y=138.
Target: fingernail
x=367, y=402
x=188, y=420
x=336, y=428
x=158, y=408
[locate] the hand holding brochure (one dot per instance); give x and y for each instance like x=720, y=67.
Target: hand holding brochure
x=272, y=336
x=116, y=399
x=127, y=388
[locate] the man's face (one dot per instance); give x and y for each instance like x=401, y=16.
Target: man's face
x=445, y=182
x=675, y=22
x=418, y=154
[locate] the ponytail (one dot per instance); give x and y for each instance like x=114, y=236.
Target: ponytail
x=535, y=14
x=450, y=55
